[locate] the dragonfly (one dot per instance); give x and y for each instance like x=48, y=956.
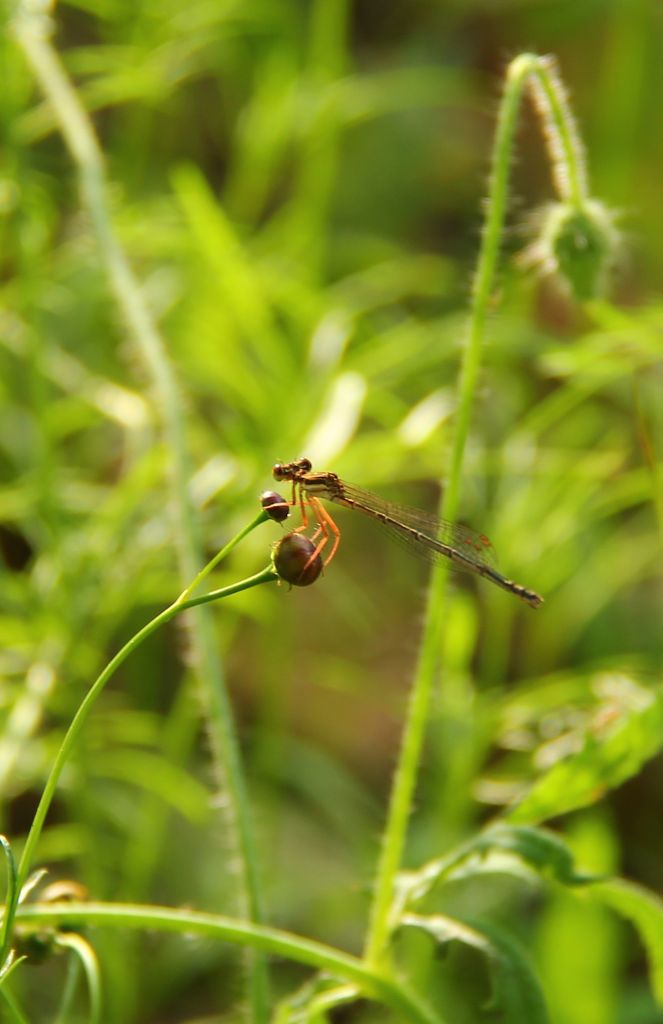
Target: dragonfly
x=427, y=535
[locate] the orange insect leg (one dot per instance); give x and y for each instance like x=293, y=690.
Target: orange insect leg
x=326, y=521
x=318, y=512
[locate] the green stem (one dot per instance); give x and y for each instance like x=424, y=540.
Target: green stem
x=262, y=517
x=565, y=148
x=87, y=958
x=267, y=575
x=373, y=984
x=30, y=28
x=405, y=778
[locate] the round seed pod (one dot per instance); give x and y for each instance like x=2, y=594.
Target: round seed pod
x=292, y=560
x=275, y=505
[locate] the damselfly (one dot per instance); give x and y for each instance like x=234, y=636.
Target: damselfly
x=429, y=536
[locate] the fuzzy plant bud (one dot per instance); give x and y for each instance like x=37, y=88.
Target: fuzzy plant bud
x=578, y=244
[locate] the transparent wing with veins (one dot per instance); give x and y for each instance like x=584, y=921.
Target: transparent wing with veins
x=420, y=531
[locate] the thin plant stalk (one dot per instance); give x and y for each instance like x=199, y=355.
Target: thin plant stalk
x=87, y=958
x=30, y=29
x=372, y=983
x=520, y=73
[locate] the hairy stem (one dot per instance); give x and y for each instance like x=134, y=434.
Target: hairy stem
x=519, y=73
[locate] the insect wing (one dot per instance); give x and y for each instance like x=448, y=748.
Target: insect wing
x=419, y=530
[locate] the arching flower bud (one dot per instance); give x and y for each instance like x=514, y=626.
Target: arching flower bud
x=580, y=245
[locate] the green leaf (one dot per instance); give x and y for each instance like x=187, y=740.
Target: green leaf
x=539, y=849
x=517, y=993
x=11, y=870
x=542, y=850
x=611, y=753
x=645, y=911
x=11, y=963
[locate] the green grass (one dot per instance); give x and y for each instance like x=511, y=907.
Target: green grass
x=270, y=253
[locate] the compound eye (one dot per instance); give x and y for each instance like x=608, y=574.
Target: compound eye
x=277, y=471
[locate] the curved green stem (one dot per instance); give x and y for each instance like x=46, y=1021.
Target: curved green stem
x=86, y=957
x=262, y=517
x=268, y=575
x=565, y=149
x=375, y=985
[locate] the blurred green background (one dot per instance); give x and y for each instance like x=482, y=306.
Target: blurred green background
x=299, y=187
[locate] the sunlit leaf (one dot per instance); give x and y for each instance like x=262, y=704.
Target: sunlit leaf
x=612, y=751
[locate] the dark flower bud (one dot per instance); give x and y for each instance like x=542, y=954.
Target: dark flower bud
x=294, y=560
x=275, y=505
